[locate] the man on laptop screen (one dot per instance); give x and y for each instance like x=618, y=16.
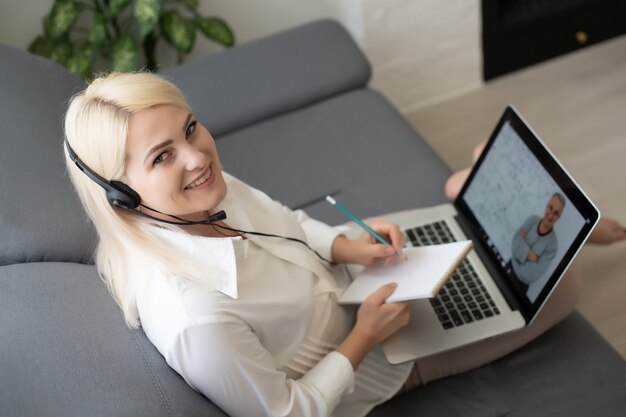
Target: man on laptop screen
x=530, y=221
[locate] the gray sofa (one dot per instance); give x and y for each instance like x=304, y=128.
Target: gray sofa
x=292, y=115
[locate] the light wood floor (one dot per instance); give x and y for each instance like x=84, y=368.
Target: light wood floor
x=577, y=104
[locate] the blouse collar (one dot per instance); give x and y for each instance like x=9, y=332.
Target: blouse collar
x=219, y=253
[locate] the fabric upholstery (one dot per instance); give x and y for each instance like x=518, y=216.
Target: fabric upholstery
x=41, y=218
x=569, y=371
x=354, y=146
x=65, y=349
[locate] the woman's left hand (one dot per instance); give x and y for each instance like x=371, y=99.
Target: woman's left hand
x=366, y=250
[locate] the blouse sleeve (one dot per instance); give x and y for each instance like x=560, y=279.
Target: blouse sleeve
x=227, y=363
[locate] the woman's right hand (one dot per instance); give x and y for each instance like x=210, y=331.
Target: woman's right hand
x=376, y=320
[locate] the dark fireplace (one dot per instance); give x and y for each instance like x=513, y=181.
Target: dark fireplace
x=518, y=33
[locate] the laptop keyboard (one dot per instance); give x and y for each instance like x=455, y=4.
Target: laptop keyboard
x=464, y=298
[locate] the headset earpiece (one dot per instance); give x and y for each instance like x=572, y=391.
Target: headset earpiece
x=121, y=195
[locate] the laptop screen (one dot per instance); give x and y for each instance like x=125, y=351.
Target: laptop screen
x=531, y=214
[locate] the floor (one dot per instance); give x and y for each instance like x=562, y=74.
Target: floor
x=577, y=104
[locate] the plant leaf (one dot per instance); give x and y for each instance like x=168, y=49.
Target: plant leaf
x=80, y=63
x=116, y=6
x=97, y=32
x=61, y=18
x=179, y=32
x=216, y=29
x=40, y=46
x=191, y=4
x=147, y=14
x=124, y=54
x=61, y=52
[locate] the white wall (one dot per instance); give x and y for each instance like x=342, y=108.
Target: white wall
x=21, y=20
x=251, y=19
x=422, y=51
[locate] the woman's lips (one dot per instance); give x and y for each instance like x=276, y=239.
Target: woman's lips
x=203, y=181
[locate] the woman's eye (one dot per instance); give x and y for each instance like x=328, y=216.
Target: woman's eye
x=191, y=128
x=162, y=157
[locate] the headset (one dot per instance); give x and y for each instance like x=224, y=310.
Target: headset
x=124, y=197
x=118, y=194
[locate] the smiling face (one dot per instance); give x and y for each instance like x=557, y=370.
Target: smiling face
x=173, y=164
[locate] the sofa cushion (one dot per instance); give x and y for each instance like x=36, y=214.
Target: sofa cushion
x=269, y=76
x=41, y=218
x=65, y=351
x=355, y=146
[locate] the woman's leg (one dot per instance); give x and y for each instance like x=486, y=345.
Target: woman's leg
x=607, y=231
x=455, y=182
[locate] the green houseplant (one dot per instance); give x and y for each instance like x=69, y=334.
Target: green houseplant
x=121, y=35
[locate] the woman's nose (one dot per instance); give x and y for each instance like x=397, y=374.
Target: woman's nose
x=193, y=158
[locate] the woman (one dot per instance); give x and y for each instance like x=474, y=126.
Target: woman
x=250, y=321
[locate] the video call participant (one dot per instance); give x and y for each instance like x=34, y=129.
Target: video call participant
x=535, y=243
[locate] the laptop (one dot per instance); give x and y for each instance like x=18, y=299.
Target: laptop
x=527, y=219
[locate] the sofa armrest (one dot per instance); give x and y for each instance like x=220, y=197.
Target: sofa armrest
x=272, y=75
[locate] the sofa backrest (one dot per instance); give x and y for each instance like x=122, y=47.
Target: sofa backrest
x=41, y=218
x=271, y=76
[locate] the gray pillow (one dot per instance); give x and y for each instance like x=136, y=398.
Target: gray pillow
x=41, y=218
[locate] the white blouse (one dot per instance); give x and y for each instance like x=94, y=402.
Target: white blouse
x=263, y=344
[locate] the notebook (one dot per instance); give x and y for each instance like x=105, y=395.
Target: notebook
x=527, y=219
x=421, y=274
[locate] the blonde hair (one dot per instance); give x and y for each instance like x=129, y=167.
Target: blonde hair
x=96, y=126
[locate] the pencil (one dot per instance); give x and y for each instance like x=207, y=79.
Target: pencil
x=358, y=221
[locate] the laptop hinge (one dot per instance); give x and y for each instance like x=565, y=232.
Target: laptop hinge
x=497, y=274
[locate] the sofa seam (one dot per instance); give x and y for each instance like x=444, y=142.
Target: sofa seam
x=290, y=110
x=162, y=393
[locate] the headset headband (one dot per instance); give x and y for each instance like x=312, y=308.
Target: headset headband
x=118, y=194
